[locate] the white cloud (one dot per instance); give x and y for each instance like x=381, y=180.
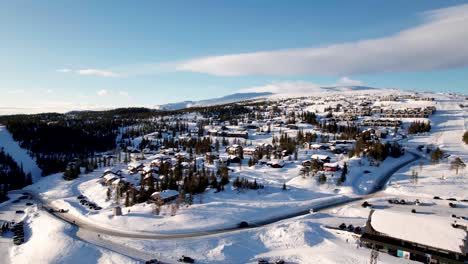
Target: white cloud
x=124, y=94
x=65, y=70
x=103, y=92
x=290, y=87
x=49, y=91
x=300, y=88
x=440, y=42
x=97, y=72
x=346, y=81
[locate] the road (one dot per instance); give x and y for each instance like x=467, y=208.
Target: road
x=127, y=234
x=97, y=235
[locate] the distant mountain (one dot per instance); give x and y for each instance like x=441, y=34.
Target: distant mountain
x=215, y=101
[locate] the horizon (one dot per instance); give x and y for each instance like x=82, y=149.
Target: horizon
x=67, y=56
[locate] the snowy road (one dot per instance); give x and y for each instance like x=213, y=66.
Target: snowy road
x=332, y=203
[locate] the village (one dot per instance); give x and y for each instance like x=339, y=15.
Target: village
x=246, y=164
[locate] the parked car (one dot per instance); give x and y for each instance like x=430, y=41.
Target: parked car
x=452, y=205
x=366, y=204
x=451, y=199
x=29, y=204
x=186, y=259
x=243, y=224
x=437, y=198
x=262, y=261
x=152, y=261
x=19, y=211
x=80, y=197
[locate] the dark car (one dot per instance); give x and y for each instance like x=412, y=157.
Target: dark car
x=243, y=224
x=186, y=259
x=452, y=205
x=19, y=211
x=152, y=261
x=437, y=198
x=366, y=204
x=452, y=199
x=342, y=226
x=29, y=204
x=80, y=197
x=262, y=261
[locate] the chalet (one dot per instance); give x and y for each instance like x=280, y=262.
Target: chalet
x=234, y=150
x=322, y=158
x=424, y=238
x=109, y=178
x=331, y=167
x=277, y=163
x=234, y=159
x=249, y=150
x=135, y=166
x=164, y=196
x=114, y=171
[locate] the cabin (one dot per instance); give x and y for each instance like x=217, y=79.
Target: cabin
x=249, y=150
x=331, y=167
x=234, y=150
x=420, y=237
x=322, y=158
x=164, y=196
x=234, y=159
x=277, y=163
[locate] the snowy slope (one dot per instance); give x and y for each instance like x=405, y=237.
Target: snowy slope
x=221, y=100
x=56, y=244
x=19, y=155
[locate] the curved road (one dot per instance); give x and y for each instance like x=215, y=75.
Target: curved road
x=127, y=234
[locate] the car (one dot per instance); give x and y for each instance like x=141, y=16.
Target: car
x=366, y=204
x=262, y=261
x=152, y=261
x=279, y=261
x=358, y=230
x=80, y=197
x=367, y=171
x=437, y=198
x=29, y=204
x=351, y=228
x=413, y=211
x=243, y=224
x=97, y=208
x=19, y=211
x=51, y=210
x=186, y=259
x=464, y=200
x=452, y=199
x=342, y=226
x=452, y=205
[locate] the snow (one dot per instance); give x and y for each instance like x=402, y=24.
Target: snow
x=433, y=231
x=19, y=155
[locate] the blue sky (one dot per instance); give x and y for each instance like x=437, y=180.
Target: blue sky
x=63, y=55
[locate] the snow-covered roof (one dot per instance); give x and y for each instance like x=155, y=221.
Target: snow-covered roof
x=166, y=194
x=429, y=230
x=319, y=156
x=331, y=165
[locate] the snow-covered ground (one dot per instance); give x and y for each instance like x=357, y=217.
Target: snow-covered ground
x=448, y=125
x=47, y=239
